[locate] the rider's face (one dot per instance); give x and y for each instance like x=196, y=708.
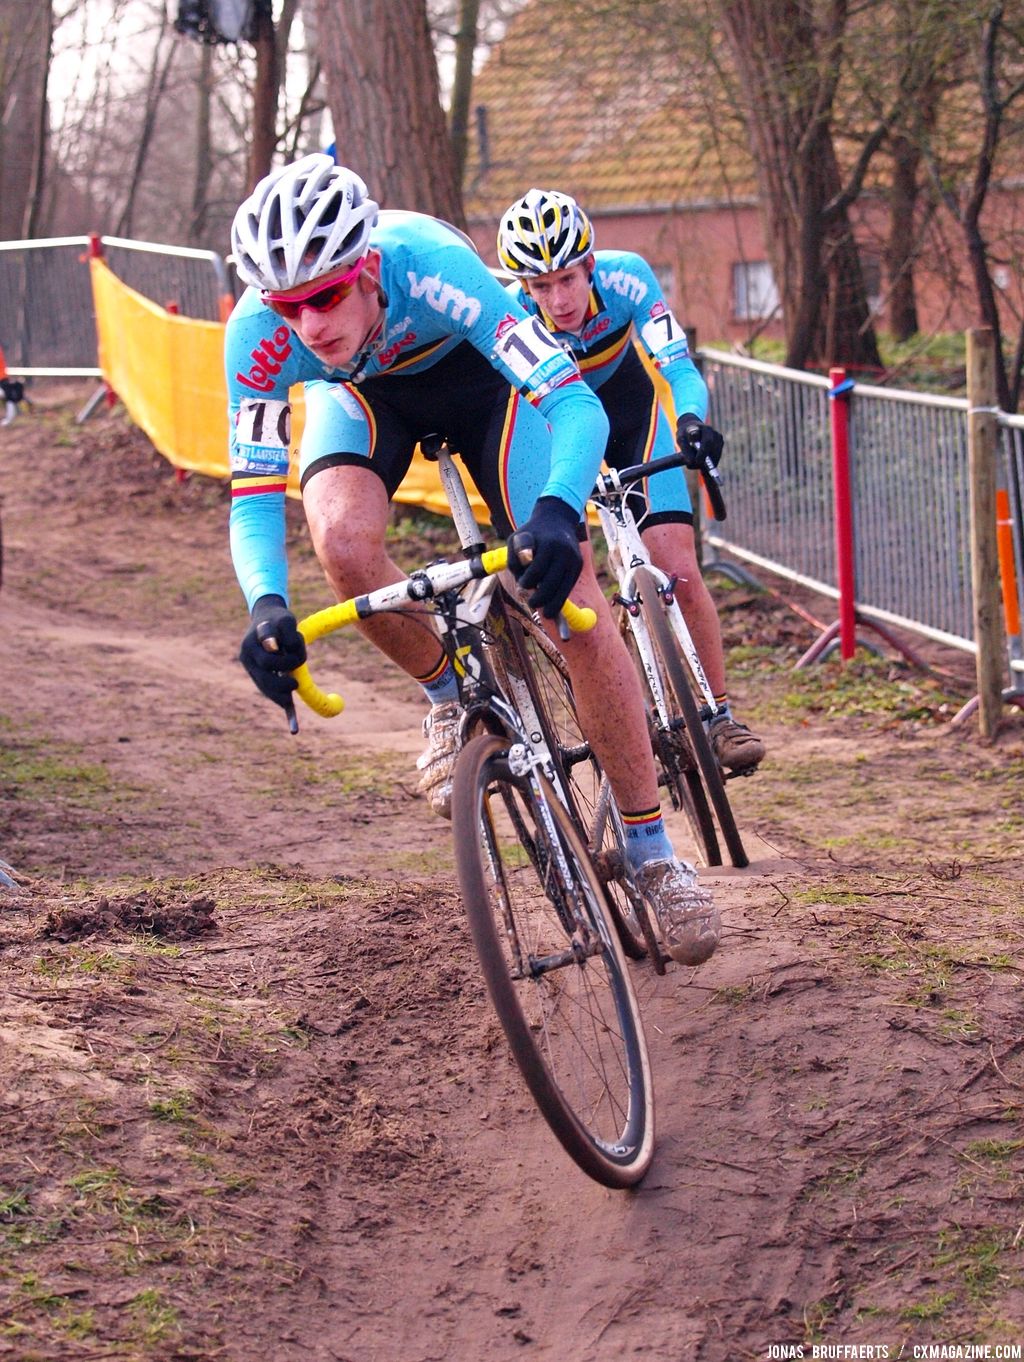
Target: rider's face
x=563, y=294
x=337, y=333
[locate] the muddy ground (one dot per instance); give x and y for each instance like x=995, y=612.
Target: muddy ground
x=254, y=1102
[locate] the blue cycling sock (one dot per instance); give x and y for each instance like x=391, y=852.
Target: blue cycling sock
x=646, y=837
x=441, y=684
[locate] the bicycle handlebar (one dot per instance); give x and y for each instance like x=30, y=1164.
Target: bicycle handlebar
x=421, y=586
x=625, y=477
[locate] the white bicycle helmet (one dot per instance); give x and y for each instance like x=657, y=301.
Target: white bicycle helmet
x=300, y=222
x=544, y=231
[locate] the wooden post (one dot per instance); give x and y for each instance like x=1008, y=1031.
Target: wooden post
x=981, y=462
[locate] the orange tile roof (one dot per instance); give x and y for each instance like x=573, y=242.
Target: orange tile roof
x=572, y=105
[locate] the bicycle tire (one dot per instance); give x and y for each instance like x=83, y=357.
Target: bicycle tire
x=677, y=765
x=677, y=678
x=586, y=784
x=552, y=964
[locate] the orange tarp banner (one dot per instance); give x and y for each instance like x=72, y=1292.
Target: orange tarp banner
x=169, y=373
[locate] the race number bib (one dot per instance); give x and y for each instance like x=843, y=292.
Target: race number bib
x=663, y=337
x=535, y=358
x=264, y=425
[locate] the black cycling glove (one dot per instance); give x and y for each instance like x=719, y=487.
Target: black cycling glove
x=556, y=558
x=698, y=441
x=272, y=622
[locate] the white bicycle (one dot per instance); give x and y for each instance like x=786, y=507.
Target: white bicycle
x=680, y=702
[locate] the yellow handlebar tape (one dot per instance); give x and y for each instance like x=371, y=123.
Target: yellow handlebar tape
x=328, y=703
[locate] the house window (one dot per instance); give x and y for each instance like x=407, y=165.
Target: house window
x=666, y=277
x=753, y=289
x=871, y=273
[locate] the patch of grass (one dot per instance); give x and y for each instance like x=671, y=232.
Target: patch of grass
x=155, y=1319
x=838, y=1179
x=833, y=898
x=736, y=993
x=977, y=1259
x=51, y=770
x=994, y=1149
x=933, y=1308
x=956, y=1022
x=82, y=960
x=14, y=1203
x=175, y=1106
x=865, y=686
x=107, y=1191
x=76, y=1324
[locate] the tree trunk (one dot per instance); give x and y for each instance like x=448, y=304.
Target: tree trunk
x=384, y=96
x=158, y=76
x=264, y=95
x=788, y=68
x=26, y=28
x=204, y=146
x=462, y=84
x=901, y=247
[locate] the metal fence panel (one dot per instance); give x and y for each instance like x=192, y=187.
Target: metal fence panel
x=46, y=310
x=46, y=314
x=909, y=487
x=778, y=465
x=912, y=510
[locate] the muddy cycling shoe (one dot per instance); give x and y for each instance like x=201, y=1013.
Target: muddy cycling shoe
x=689, y=921
x=734, y=745
x=441, y=730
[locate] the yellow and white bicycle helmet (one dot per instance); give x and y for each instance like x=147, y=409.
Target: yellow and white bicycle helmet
x=544, y=231
x=300, y=222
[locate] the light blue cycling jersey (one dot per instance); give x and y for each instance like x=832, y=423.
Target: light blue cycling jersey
x=626, y=300
x=438, y=294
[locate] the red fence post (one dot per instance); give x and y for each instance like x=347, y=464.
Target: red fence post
x=839, y=395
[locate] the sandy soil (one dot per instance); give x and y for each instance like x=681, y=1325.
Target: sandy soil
x=255, y=1104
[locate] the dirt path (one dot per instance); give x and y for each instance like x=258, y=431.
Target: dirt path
x=254, y=1101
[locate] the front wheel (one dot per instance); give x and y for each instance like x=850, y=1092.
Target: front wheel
x=552, y=963
x=585, y=784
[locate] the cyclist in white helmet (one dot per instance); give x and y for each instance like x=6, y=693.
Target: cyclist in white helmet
x=397, y=329
x=596, y=303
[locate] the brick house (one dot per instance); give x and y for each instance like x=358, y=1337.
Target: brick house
x=565, y=102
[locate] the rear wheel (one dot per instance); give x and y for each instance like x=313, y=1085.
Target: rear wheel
x=703, y=776
x=552, y=963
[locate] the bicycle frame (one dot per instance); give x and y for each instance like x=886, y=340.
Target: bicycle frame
x=627, y=553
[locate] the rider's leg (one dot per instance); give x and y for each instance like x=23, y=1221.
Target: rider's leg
x=609, y=702
x=673, y=548
x=347, y=511
x=609, y=699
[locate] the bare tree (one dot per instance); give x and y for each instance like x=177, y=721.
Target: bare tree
x=160, y=70
x=998, y=60
x=384, y=97
x=26, y=33
x=788, y=55
x=462, y=83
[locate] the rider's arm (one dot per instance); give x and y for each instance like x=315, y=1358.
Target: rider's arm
x=546, y=375
x=258, y=351
x=661, y=335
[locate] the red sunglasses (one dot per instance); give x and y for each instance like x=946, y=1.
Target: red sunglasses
x=321, y=297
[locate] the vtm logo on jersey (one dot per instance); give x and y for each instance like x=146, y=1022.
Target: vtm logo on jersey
x=267, y=358
x=506, y=324
x=445, y=298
